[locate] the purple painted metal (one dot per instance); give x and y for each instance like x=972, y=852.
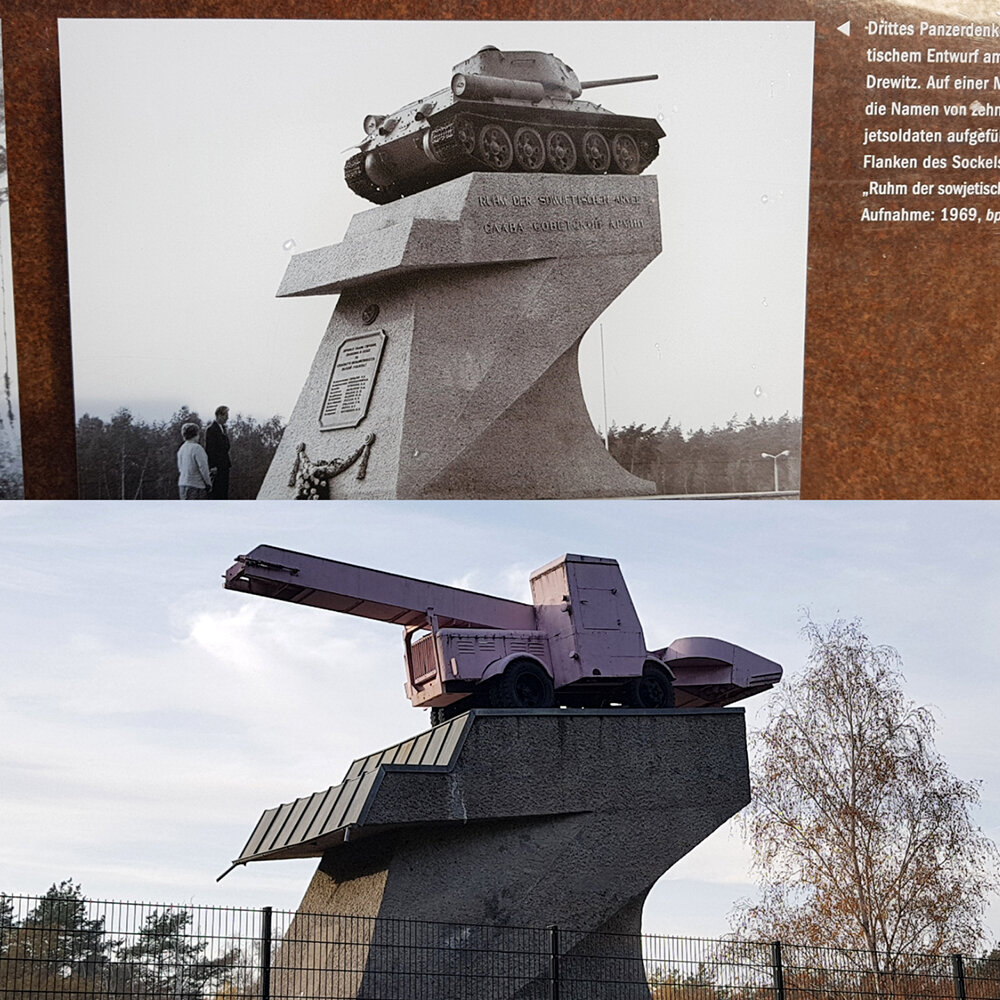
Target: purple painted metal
x=584, y=606
x=370, y=593
x=581, y=632
x=713, y=672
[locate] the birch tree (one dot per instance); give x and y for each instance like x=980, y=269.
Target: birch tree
x=862, y=836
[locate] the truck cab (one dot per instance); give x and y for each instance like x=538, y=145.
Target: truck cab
x=587, y=650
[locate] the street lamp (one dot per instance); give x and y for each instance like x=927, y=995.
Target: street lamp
x=774, y=458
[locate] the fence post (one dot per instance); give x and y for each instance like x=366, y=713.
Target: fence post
x=779, y=972
x=553, y=962
x=958, y=974
x=265, y=954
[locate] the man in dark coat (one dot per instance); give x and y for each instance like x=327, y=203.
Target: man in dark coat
x=217, y=446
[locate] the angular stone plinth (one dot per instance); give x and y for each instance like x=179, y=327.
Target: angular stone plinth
x=449, y=367
x=494, y=820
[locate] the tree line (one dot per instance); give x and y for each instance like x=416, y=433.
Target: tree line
x=128, y=459
x=57, y=950
x=11, y=477
x=731, y=970
x=719, y=460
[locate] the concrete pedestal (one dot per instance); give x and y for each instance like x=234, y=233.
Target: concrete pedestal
x=449, y=367
x=496, y=820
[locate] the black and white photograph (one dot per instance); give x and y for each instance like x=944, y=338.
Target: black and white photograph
x=205, y=168
x=11, y=473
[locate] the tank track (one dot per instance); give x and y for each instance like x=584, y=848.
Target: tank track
x=454, y=143
x=456, y=149
x=359, y=183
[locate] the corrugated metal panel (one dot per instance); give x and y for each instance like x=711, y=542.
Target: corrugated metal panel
x=289, y=829
x=260, y=830
x=452, y=740
x=422, y=750
x=332, y=800
x=434, y=744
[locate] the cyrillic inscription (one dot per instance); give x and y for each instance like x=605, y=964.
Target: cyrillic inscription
x=351, y=381
x=511, y=221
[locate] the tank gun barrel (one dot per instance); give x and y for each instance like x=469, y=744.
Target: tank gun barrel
x=614, y=81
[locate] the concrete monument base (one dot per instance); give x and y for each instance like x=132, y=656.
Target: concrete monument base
x=495, y=820
x=449, y=367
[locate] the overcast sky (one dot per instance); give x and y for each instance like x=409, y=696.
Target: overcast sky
x=149, y=716
x=197, y=150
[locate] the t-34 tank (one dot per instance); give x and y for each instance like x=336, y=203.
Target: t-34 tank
x=513, y=111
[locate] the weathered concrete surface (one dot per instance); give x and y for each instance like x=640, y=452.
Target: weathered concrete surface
x=549, y=817
x=484, y=287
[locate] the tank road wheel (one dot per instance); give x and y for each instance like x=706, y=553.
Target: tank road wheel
x=561, y=152
x=524, y=684
x=652, y=690
x=452, y=142
x=529, y=149
x=465, y=133
x=495, y=147
x=596, y=152
x=625, y=152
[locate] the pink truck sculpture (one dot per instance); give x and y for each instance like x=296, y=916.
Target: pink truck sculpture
x=579, y=643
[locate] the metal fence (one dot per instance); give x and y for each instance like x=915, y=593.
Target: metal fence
x=60, y=945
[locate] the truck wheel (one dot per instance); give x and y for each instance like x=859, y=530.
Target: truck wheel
x=652, y=690
x=524, y=684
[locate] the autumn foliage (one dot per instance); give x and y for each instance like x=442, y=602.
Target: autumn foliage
x=862, y=837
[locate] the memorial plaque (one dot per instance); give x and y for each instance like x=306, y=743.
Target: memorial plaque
x=351, y=381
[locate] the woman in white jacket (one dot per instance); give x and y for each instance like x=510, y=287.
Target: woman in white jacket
x=194, y=481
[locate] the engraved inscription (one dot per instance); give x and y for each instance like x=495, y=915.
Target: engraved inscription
x=351, y=381
x=572, y=212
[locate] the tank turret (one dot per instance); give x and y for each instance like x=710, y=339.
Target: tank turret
x=503, y=111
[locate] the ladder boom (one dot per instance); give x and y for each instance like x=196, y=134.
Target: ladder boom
x=269, y=571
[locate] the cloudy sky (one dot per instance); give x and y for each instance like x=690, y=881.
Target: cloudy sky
x=196, y=151
x=150, y=716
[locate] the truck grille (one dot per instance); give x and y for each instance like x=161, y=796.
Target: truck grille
x=526, y=644
x=475, y=643
x=424, y=661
